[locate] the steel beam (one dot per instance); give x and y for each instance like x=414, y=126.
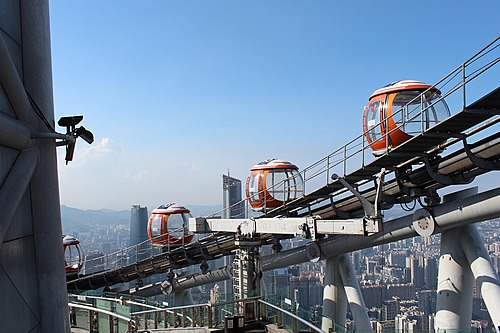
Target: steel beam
x=14, y=87
x=184, y=282
x=449, y=215
x=14, y=187
x=15, y=134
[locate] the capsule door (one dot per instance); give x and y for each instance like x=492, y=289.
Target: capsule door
x=373, y=126
x=73, y=255
x=383, y=123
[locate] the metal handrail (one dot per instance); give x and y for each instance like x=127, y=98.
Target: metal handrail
x=122, y=257
x=293, y=316
x=128, y=320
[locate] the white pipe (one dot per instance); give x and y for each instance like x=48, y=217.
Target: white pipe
x=484, y=273
x=353, y=292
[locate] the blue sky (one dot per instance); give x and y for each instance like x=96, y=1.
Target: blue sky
x=179, y=92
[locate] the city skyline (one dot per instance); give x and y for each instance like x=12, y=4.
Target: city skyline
x=178, y=93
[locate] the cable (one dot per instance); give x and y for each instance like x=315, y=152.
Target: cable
x=39, y=113
x=406, y=207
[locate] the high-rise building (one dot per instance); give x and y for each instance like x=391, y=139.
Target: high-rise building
x=427, y=305
x=280, y=282
x=139, y=235
x=355, y=259
x=431, y=273
x=390, y=308
x=417, y=272
x=138, y=225
x=234, y=207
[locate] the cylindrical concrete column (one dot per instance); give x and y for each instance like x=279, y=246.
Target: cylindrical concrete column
x=455, y=282
x=45, y=205
x=483, y=271
x=334, y=297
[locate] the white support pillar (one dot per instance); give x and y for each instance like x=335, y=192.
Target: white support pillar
x=455, y=282
x=483, y=271
x=334, y=297
x=353, y=293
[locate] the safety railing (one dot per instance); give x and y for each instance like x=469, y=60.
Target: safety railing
x=131, y=255
x=120, y=315
x=95, y=319
x=210, y=315
x=456, y=88
x=287, y=319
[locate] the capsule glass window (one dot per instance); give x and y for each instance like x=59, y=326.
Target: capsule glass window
x=418, y=112
x=373, y=121
x=72, y=255
x=177, y=224
x=253, y=186
x=284, y=184
x=156, y=222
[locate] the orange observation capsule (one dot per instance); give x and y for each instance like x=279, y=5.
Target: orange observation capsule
x=168, y=225
x=273, y=183
x=400, y=110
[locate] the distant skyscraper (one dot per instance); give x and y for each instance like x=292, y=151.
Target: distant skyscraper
x=138, y=226
x=417, y=272
x=355, y=259
x=431, y=273
x=138, y=235
x=234, y=207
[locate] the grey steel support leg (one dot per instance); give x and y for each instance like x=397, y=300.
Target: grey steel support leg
x=334, y=297
x=353, y=293
x=484, y=273
x=455, y=282
x=183, y=297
